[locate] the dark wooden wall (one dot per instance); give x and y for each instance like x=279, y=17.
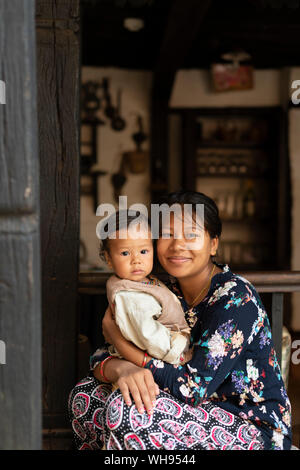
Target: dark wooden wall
x=57, y=25
x=20, y=302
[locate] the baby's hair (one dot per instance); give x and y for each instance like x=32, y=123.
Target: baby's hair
x=117, y=221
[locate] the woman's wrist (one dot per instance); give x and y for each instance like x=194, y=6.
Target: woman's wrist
x=104, y=373
x=111, y=370
x=148, y=359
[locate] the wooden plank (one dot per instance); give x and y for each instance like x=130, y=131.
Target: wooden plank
x=277, y=322
x=58, y=110
x=15, y=114
x=20, y=302
x=288, y=280
x=58, y=439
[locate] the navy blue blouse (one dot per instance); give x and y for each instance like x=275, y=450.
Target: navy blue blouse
x=234, y=362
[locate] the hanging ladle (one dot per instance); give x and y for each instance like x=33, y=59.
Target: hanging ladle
x=140, y=136
x=118, y=123
x=109, y=110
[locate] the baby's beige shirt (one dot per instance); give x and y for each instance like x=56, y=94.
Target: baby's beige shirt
x=150, y=316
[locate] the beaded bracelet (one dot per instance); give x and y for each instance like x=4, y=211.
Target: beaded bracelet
x=145, y=360
x=102, y=365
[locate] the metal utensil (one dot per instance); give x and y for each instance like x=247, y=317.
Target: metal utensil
x=118, y=123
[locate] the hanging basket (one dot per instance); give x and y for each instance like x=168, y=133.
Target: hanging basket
x=136, y=161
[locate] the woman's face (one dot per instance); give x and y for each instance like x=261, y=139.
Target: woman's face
x=187, y=250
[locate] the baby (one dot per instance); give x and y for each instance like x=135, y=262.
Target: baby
x=146, y=311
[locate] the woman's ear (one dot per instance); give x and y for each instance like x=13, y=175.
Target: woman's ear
x=214, y=246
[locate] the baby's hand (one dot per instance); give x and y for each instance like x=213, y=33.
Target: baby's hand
x=186, y=357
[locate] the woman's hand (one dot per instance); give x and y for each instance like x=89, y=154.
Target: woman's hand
x=140, y=384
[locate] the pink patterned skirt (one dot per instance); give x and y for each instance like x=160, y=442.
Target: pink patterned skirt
x=101, y=419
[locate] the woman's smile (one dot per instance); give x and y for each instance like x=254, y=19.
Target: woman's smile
x=178, y=259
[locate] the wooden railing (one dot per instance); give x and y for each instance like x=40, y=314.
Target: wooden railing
x=276, y=282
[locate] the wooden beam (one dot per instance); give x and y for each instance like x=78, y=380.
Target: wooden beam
x=58, y=111
x=182, y=29
x=20, y=301
x=183, y=26
x=264, y=281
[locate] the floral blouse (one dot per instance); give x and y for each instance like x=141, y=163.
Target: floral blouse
x=234, y=362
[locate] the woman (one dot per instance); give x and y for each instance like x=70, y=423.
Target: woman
x=230, y=395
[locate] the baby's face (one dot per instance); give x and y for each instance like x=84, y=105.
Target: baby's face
x=131, y=258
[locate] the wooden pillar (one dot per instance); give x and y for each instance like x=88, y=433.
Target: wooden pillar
x=159, y=147
x=277, y=323
x=57, y=25
x=20, y=306
x=184, y=16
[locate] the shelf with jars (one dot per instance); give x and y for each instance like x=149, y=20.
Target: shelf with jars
x=247, y=203
x=232, y=163
x=243, y=254
x=229, y=130
x=237, y=157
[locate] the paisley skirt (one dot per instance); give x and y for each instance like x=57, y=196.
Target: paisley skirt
x=100, y=419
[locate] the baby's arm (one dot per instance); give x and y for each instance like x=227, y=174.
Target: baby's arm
x=125, y=348
x=187, y=356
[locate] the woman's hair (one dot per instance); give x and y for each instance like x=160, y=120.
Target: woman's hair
x=117, y=221
x=212, y=222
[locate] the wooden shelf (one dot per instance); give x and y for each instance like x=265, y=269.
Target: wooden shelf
x=249, y=220
x=227, y=145
x=263, y=157
x=235, y=175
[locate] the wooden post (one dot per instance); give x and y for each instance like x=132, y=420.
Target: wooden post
x=20, y=306
x=277, y=322
x=58, y=112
